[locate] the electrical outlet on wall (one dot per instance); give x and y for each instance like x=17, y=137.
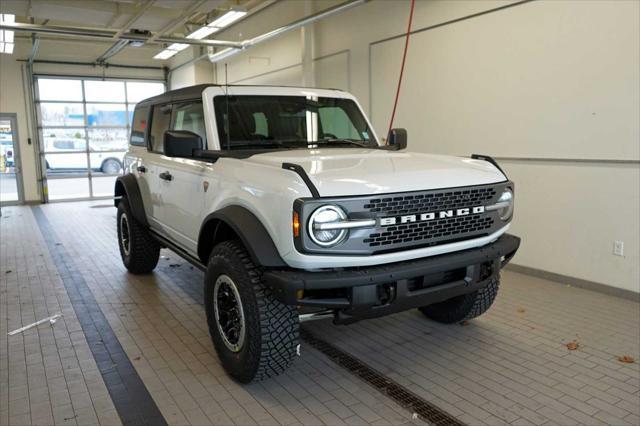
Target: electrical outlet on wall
x=618, y=248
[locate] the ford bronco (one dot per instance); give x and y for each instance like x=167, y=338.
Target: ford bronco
x=295, y=209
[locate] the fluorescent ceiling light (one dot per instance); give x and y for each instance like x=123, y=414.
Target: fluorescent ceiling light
x=203, y=32
x=227, y=19
x=178, y=47
x=165, y=54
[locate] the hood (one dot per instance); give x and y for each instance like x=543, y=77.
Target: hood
x=360, y=171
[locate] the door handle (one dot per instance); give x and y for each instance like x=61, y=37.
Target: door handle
x=165, y=176
x=141, y=169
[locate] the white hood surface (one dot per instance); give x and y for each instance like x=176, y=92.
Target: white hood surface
x=361, y=171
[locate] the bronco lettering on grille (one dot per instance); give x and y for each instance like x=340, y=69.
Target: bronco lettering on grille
x=425, y=217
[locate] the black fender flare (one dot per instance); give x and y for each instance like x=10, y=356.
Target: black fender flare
x=247, y=227
x=128, y=185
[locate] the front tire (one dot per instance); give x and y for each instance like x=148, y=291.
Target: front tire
x=138, y=250
x=465, y=307
x=255, y=335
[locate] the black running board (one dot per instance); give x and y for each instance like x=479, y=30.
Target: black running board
x=178, y=250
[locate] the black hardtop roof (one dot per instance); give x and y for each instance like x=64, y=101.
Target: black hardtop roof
x=183, y=94
x=194, y=92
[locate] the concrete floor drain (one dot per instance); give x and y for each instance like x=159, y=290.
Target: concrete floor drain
x=404, y=397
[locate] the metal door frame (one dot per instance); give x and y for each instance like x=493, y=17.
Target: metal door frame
x=17, y=158
x=39, y=127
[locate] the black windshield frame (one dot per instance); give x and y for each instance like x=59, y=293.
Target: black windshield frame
x=290, y=122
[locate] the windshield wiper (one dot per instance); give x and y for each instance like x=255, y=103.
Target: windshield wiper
x=263, y=144
x=342, y=141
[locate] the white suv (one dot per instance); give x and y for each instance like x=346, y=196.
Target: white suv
x=294, y=209
x=67, y=155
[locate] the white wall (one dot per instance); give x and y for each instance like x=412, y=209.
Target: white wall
x=13, y=100
x=194, y=73
x=14, y=97
x=552, y=80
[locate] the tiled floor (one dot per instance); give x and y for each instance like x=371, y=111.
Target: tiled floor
x=509, y=366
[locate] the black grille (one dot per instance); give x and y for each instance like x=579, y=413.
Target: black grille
x=420, y=203
x=452, y=227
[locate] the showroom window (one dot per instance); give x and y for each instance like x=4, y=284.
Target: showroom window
x=84, y=131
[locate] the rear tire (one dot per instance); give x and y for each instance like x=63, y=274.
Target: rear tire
x=257, y=336
x=111, y=166
x=139, y=251
x=463, y=307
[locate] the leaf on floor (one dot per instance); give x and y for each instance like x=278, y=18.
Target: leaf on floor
x=137, y=358
x=626, y=359
x=521, y=310
x=463, y=323
x=572, y=346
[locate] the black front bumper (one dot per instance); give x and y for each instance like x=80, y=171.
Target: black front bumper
x=368, y=292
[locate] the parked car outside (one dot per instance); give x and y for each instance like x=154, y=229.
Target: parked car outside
x=70, y=155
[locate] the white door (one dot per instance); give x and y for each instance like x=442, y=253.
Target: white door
x=181, y=192
x=177, y=184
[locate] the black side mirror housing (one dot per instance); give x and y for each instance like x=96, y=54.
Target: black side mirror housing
x=397, y=138
x=181, y=143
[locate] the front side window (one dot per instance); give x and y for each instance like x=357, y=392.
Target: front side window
x=263, y=122
x=190, y=117
x=159, y=124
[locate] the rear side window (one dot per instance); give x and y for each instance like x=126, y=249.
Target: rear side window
x=139, y=125
x=159, y=124
x=190, y=117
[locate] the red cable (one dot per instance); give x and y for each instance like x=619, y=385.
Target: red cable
x=404, y=57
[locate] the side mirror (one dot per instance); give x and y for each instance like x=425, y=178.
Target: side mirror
x=397, y=138
x=181, y=143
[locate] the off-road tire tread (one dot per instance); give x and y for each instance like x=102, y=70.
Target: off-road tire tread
x=279, y=326
x=144, y=251
x=465, y=307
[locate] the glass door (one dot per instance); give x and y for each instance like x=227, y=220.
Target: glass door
x=84, y=128
x=10, y=175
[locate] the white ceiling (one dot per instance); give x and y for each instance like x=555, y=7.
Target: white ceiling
x=111, y=13
x=171, y=17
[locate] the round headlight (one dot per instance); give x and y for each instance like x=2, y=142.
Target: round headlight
x=506, y=198
x=326, y=215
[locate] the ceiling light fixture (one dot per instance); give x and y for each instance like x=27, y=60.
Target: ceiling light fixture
x=227, y=19
x=218, y=24
x=6, y=36
x=165, y=54
x=171, y=50
x=203, y=32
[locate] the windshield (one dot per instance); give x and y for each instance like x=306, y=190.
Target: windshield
x=263, y=122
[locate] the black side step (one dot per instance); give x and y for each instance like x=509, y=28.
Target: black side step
x=178, y=250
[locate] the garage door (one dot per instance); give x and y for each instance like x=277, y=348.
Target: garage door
x=84, y=128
